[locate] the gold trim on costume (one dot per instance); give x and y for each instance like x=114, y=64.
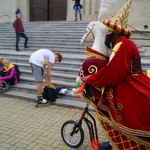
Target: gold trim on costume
x=95, y=54
x=116, y=47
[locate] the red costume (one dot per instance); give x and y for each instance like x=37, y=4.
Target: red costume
x=127, y=94
x=120, y=91
x=129, y=103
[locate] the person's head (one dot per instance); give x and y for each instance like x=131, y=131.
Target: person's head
x=111, y=38
x=6, y=62
x=58, y=57
x=19, y=16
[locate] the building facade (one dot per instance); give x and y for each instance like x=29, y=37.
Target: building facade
x=50, y=10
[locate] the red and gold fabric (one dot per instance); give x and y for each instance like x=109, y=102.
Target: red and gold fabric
x=126, y=99
x=92, y=65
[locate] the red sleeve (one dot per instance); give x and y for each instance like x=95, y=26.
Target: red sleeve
x=114, y=72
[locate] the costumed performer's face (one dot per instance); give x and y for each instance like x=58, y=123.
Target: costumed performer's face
x=108, y=39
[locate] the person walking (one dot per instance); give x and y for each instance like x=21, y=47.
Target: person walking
x=77, y=7
x=20, y=32
x=37, y=62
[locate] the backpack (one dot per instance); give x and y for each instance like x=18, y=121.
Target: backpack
x=17, y=71
x=49, y=94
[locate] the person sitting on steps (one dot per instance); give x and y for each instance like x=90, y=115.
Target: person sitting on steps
x=8, y=74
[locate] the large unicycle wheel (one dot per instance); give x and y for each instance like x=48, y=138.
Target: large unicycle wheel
x=71, y=134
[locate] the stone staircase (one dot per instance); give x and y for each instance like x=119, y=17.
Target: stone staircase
x=63, y=37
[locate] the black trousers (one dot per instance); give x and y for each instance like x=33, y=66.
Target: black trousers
x=23, y=35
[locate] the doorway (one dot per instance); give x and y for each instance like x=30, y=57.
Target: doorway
x=48, y=10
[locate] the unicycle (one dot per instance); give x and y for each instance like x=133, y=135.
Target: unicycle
x=73, y=135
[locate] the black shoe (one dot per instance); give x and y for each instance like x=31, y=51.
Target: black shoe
x=105, y=146
x=18, y=50
x=26, y=47
x=5, y=88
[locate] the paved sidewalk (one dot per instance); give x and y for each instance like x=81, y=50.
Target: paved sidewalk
x=25, y=127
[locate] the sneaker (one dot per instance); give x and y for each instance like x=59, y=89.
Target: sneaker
x=106, y=145
x=41, y=100
x=44, y=101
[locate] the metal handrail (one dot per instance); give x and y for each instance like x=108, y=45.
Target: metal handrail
x=139, y=31
x=5, y=15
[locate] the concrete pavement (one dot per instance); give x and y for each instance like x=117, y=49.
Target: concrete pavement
x=25, y=127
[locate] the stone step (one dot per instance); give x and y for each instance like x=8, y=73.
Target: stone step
x=47, y=33
x=62, y=100
x=26, y=55
x=58, y=44
x=54, y=75
x=59, y=36
x=142, y=42
x=65, y=64
x=30, y=80
x=30, y=89
x=38, y=38
x=63, y=51
x=36, y=24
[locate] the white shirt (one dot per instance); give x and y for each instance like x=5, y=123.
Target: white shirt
x=40, y=55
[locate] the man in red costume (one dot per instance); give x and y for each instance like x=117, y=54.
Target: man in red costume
x=126, y=98
x=129, y=104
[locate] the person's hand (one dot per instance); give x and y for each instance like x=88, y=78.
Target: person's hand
x=50, y=86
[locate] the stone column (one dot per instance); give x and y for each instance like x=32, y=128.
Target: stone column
x=70, y=10
x=93, y=9
x=87, y=7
